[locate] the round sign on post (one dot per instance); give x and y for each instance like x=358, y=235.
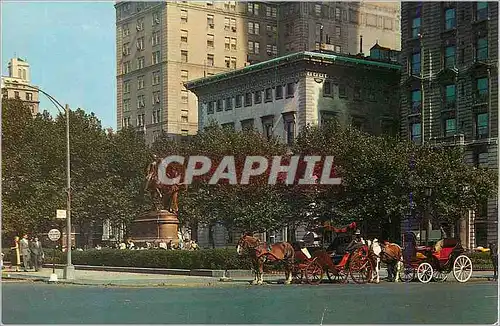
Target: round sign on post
x=54, y=234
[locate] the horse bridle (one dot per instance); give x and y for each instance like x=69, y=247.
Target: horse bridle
x=246, y=246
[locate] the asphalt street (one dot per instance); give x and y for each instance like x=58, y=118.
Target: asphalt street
x=387, y=303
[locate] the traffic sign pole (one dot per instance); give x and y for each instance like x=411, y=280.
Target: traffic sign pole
x=54, y=235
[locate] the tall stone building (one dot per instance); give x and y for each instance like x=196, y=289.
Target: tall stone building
x=17, y=84
x=449, y=89
x=161, y=45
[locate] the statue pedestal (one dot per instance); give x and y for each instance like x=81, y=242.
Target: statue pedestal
x=155, y=226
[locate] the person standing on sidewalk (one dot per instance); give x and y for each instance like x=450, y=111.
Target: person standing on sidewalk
x=494, y=259
x=24, y=247
x=16, y=260
x=36, y=253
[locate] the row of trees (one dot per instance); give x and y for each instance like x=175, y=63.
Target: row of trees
x=108, y=171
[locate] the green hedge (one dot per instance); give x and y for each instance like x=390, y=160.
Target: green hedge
x=180, y=259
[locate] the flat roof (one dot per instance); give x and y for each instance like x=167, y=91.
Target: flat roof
x=298, y=56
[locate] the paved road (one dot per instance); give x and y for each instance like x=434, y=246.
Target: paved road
x=388, y=303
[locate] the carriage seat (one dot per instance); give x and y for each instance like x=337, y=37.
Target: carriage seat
x=306, y=253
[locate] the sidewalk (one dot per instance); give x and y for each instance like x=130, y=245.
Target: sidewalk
x=142, y=279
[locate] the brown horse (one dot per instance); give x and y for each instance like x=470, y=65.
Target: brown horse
x=388, y=253
x=261, y=253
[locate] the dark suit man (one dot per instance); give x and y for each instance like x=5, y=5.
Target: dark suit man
x=25, y=251
x=36, y=253
x=494, y=259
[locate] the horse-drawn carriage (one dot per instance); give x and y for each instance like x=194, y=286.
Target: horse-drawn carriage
x=338, y=260
x=435, y=262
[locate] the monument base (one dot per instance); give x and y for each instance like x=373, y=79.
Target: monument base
x=155, y=226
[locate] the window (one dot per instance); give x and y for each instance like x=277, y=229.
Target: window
x=257, y=97
x=29, y=97
x=126, y=105
x=338, y=49
x=416, y=101
x=140, y=101
x=227, y=42
x=450, y=96
x=156, y=18
x=337, y=14
x=450, y=20
x=140, y=120
x=126, y=30
x=210, y=41
x=228, y=126
x=184, y=96
x=229, y=104
x=233, y=24
x=126, y=49
x=126, y=122
x=268, y=95
x=279, y=92
x=184, y=36
x=156, y=78
x=140, y=43
x=126, y=67
x=338, y=32
x=481, y=120
x=227, y=62
x=227, y=24
x=253, y=8
x=233, y=63
x=233, y=44
x=248, y=99
x=482, y=49
x=233, y=5
x=156, y=57
x=237, y=101
x=275, y=49
x=155, y=39
x=210, y=60
x=156, y=97
x=268, y=130
x=449, y=57
x=481, y=90
x=317, y=10
x=210, y=107
x=184, y=132
x=327, y=88
x=273, y=12
x=289, y=131
x=184, y=117
x=126, y=86
x=481, y=10
x=184, y=75
x=415, y=27
x=210, y=21
x=416, y=132
x=356, y=92
x=156, y=116
x=184, y=56
x=140, y=24
x=415, y=63
x=247, y=124
x=140, y=82
x=449, y=127
x=220, y=106
x=210, y=3
x=342, y=91
x=140, y=62
x=253, y=47
x=184, y=16
x=290, y=89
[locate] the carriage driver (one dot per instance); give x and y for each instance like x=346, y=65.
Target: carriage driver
x=356, y=242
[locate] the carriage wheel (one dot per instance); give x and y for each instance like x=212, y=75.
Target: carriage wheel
x=297, y=275
x=408, y=274
x=360, y=269
x=440, y=276
x=340, y=277
x=424, y=272
x=462, y=268
x=314, y=273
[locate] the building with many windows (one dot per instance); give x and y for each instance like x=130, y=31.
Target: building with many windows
x=161, y=45
x=17, y=84
x=449, y=89
x=281, y=96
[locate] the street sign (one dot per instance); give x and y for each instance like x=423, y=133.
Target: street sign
x=61, y=213
x=54, y=234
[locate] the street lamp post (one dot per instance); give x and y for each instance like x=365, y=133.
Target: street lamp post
x=69, y=269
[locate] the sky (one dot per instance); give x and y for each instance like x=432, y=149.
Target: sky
x=70, y=47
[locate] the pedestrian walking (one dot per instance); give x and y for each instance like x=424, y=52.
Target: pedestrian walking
x=25, y=251
x=494, y=259
x=36, y=253
x=16, y=259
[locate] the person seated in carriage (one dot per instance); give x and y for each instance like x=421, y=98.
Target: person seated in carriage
x=356, y=242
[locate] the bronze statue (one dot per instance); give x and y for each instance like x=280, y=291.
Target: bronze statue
x=166, y=195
